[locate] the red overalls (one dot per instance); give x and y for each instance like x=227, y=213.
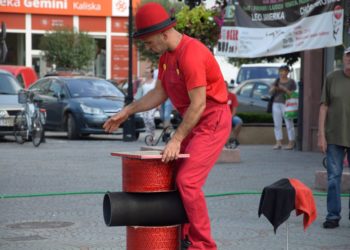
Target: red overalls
x=204, y=144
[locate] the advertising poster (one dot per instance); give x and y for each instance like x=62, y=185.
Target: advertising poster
x=275, y=27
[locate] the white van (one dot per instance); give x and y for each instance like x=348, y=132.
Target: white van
x=264, y=70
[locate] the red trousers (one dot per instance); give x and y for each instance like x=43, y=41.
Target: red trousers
x=204, y=144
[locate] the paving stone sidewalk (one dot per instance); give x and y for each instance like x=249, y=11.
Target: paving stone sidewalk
x=75, y=221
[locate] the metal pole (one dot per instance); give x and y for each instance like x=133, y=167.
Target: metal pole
x=130, y=96
x=129, y=133
x=301, y=106
x=300, y=116
x=3, y=47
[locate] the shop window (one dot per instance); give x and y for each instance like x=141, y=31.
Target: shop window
x=100, y=59
x=36, y=41
x=15, y=49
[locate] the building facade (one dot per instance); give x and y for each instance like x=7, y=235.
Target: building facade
x=105, y=20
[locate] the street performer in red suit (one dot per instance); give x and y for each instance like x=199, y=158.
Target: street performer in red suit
x=190, y=76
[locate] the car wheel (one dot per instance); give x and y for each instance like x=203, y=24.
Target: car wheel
x=72, y=130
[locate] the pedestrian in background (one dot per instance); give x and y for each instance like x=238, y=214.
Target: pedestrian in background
x=166, y=110
x=166, y=107
x=279, y=89
x=236, y=121
x=334, y=134
x=191, y=77
x=148, y=116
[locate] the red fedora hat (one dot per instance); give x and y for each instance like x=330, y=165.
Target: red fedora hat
x=152, y=18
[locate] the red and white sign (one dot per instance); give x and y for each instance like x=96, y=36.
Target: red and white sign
x=120, y=58
x=120, y=7
x=13, y=21
x=49, y=22
x=68, y=7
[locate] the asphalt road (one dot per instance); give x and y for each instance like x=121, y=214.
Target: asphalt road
x=73, y=220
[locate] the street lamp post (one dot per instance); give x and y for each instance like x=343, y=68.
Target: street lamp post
x=129, y=132
x=3, y=47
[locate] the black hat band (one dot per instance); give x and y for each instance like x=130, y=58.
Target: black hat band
x=154, y=28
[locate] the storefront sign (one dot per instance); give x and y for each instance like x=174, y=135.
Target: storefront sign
x=275, y=27
x=48, y=22
x=13, y=21
x=119, y=24
x=120, y=58
x=67, y=7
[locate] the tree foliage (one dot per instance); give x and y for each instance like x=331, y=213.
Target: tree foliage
x=68, y=49
x=288, y=59
x=201, y=23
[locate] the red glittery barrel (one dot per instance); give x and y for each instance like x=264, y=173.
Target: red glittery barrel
x=147, y=175
x=143, y=173
x=153, y=238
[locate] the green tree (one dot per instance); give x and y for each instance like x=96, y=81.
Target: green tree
x=289, y=59
x=68, y=49
x=201, y=23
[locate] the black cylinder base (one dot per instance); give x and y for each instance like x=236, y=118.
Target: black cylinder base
x=143, y=209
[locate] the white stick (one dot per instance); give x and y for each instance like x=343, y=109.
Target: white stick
x=287, y=233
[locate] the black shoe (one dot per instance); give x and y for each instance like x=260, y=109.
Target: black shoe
x=232, y=143
x=331, y=224
x=185, y=244
x=231, y=140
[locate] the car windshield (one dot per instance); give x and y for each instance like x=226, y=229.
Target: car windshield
x=92, y=88
x=257, y=73
x=8, y=85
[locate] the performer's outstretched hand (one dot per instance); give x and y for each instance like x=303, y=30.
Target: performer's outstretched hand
x=115, y=121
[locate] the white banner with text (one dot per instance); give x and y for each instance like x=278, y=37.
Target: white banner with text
x=274, y=33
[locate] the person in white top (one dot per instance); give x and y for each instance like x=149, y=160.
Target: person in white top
x=148, y=116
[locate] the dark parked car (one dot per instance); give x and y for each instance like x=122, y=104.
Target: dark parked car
x=9, y=106
x=79, y=105
x=253, y=95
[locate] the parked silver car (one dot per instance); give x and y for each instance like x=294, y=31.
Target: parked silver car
x=9, y=106
x=253, y=95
